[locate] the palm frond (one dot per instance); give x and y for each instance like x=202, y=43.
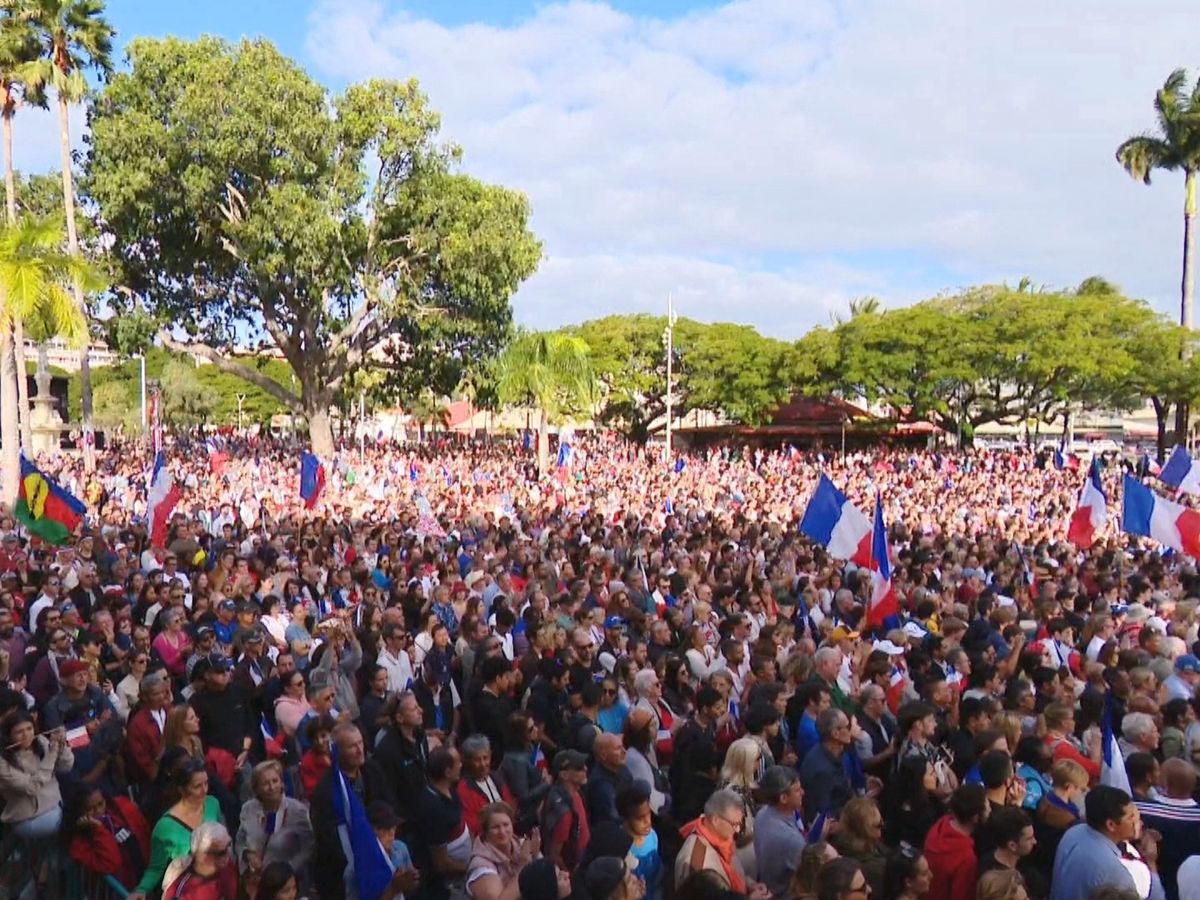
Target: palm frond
x=1142, y=154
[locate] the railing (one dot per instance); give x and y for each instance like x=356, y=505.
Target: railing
x=41, y=869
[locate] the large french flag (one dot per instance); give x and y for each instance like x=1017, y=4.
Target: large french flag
x=1091, y=514
x=1112, y=763
x=885, y=609
x=837, y=524
x=1171, y=524
x=1181, y=472
x=160, y=501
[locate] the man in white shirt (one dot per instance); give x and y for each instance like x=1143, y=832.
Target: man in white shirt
x=393, y=656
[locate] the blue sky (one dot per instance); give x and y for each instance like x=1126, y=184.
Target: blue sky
x=766, y=161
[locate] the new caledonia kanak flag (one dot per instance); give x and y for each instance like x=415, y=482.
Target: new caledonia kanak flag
x=44, y=508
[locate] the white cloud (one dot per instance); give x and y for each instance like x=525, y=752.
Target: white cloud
x=768, y=157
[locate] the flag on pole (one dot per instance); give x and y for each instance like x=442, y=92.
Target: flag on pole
x=1181, y=472
x=160, y=501
x=312, y=479
x=364, y=854
x=45, y=508
x=680, y=465
x=885, y=609
x=837, y=525
x=1060, y=456
x=1091, y=515
x=1171, y=524
x=156, y=432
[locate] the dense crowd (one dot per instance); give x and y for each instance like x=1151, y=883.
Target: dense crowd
x=622, y=679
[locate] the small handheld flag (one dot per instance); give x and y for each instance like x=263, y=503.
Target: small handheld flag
x=312, y=479
x=45, y=508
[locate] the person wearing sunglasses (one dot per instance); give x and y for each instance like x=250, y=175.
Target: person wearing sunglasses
x=842, y=879
x=710, y=845
x=208, y=871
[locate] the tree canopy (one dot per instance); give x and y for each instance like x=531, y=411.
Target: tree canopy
x=244, y=203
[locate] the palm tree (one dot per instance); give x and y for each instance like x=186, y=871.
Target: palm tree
x=427, y=408
x=19, y=47
x=549, y=371
x=1176, y=147
x=34, y=274
x=74, y=36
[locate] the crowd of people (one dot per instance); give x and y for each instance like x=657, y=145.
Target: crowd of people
x=624, y=678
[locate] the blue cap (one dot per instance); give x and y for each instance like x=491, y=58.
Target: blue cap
x=614, y=622
x=1187, y=663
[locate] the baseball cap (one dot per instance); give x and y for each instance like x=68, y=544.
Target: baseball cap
x=569, y=759
x=842, y=633
x=1187, y=663
x=1156, y=623
x=229, y=605
x=614, y=622
x=204, y=631
x=889, y=648
x=218, y=662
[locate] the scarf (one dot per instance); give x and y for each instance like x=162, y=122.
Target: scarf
x=723, y=848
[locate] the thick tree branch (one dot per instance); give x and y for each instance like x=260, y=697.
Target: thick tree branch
x=272, y=387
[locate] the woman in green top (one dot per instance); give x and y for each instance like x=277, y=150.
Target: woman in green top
x=172, y=836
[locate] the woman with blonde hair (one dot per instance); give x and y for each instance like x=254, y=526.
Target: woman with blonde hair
x=274, y=827
x=1001, y=884
x=1058, y=731
x=498, y=855
x=812, y=858
x=742, y=770
x=1009, y=724
x=700, y=655
x=860, y=837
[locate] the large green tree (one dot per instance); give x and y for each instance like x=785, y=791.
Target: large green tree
x=989, y=354
x=549, y=371
x=74, y=37
x=245, y=203
x=1174, y=148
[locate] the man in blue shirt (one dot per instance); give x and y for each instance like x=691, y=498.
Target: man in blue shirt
x=1101, y=853
x=813, y=699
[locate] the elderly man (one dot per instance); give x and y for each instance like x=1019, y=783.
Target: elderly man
x=826, y=665
x=1182, y=682
x=708, y=846
x=478, y=785
x=649, y=690
x=143, y=742
x=826, y=770
x=608, y=775
x=1139, y=734
x=778, y=831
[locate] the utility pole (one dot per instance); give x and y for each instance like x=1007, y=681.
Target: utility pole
x=241, y=398
x=669, y=339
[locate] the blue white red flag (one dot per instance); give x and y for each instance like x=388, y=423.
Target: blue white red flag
x=837, y=525
x=1181, y=472
x=885, y=608
x=161, y=498
x=361, y=848
x=312, y=479
x=1091, y=514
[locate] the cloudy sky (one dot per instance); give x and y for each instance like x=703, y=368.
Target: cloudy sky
x=767, y=160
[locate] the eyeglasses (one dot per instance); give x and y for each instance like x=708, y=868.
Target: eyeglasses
x=218, y=852
x=610, y=691
x=736, y=826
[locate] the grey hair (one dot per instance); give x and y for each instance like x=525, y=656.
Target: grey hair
x=721, y=802
x=207, y=834
x=642, y=681
x=475, y=745
x=1136, y=724
x=828, y=721
x=149, y=683
x=167, y=616
x=872, y=692
x=827, y=655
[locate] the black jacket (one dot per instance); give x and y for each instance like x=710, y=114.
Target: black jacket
x=402, y=763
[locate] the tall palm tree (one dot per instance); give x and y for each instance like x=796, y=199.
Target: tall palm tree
x=1175, y=148
x=74, y=36
x=34, y=278
x=549, y=371
x=19, y=47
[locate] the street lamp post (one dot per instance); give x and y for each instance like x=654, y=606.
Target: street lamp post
x=669, y=340
x=142, y=361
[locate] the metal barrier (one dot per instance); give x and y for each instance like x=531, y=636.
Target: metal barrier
x=40, y=869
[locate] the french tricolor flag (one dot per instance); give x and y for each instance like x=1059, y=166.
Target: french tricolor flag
x=1171, y=524
x=884, y=606
x=837, y=524
x=160, y=501
x=1091, y=514
x=312, y=479
x=1181, y=472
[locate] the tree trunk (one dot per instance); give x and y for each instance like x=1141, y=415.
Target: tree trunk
x=85, y=369
x=1186, y=288
x=8, y=418
x=543, y=442
x=320, y=427
x=1161, y=412
x=18, y=338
